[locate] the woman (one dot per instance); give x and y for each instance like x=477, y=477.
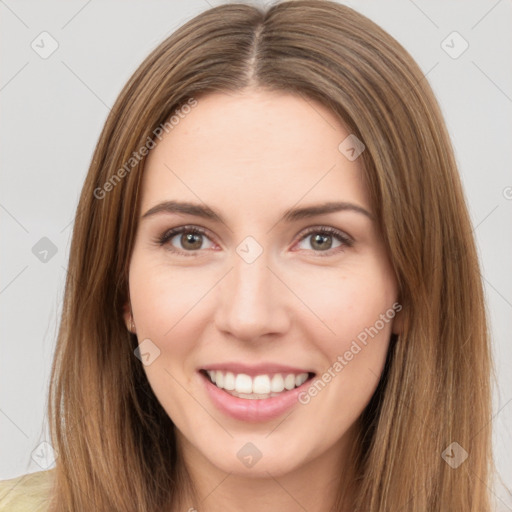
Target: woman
x=273, y=299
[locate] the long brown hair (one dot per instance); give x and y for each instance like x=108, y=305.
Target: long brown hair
x=115, y=443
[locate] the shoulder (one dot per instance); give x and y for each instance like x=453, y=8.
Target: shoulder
x=27, y=493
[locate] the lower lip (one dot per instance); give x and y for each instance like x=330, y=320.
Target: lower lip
x=255, y=410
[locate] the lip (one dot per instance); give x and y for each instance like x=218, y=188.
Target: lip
x=257, y=410
x=256, y=369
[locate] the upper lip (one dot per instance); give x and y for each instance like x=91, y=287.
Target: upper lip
x=256, y=369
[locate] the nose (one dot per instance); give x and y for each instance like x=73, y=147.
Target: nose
x=252, y=301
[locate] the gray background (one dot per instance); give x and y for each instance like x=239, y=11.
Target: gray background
x=52, y=111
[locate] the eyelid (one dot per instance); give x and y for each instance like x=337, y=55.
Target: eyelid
x=345, y=239
x=167, y=235
x=327, y=229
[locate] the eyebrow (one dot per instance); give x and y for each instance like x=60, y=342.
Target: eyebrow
x=290, y=215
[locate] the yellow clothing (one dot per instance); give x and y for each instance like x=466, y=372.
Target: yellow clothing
x=26, y=493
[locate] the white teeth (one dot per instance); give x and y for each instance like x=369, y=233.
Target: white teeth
x=249, y=387
x=243, y=383
x=300, y=379
x=261, y=384
x=277, y=384
x=219, y=379
x=289, y=381
x=229, y=381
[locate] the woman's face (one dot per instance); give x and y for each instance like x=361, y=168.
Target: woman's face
x=273, y=287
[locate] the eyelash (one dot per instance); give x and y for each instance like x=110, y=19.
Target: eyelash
x=170, y=234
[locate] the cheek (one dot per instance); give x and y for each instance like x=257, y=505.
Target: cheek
x=351, y=302
x=358, y=310
x=164, y=304
x=161, y=297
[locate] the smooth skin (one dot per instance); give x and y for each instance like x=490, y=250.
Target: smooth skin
x=251, y=156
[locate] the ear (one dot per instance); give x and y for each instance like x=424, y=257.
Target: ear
x=127, y=317
x=398, y=320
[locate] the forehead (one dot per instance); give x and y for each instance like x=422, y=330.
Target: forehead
x=252, y=150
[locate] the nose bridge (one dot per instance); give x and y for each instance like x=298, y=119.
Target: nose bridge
x=249, y=303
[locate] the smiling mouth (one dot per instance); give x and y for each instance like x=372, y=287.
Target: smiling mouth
x=258, y=387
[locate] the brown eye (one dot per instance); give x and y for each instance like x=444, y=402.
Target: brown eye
x=192, y=241
x=185, y=239
x=323, y=239
x=321, y=242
